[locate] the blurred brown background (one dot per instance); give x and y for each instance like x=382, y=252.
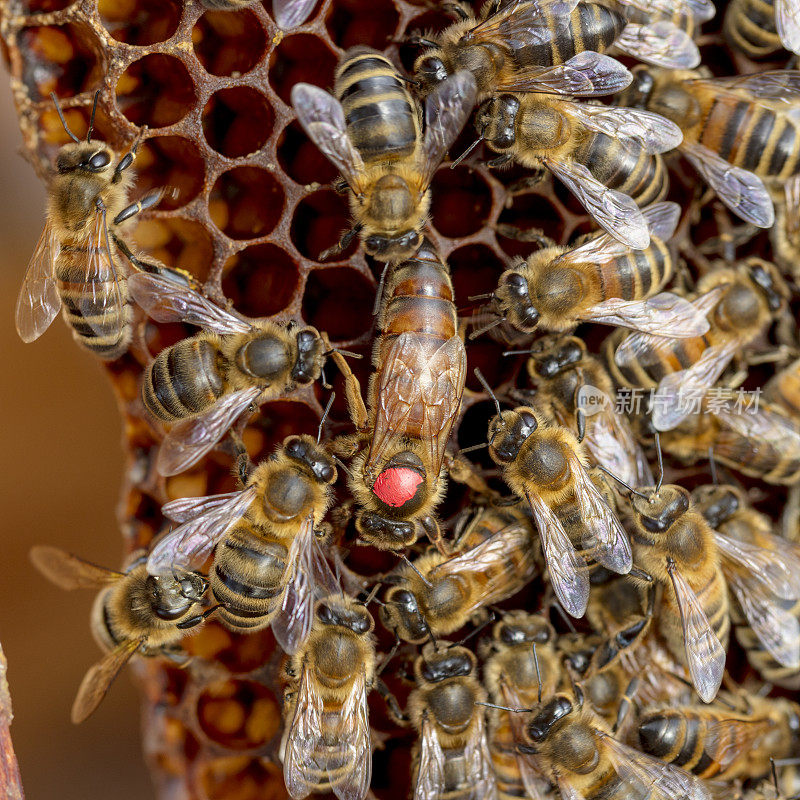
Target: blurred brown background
x=61, y=463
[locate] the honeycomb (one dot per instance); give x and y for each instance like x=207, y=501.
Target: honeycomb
x=250, y=209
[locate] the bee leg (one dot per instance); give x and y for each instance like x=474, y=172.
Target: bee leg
x=500, y=161
x=343, y=244
x=416, y=39
x=625, y=703
x=243, y=463
x=457, y=10
x=127, y=160
x=393, y=707
x=148, y=201
x=530, y=235
x=580, y=419
x=529, y=182
x=434, y=533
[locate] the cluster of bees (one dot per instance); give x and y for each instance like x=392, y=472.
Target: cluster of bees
x=628, y=704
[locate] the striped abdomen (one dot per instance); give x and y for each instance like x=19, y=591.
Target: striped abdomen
x=749, y=26
x=98, y=317
x=591, y=26
x=459, y=776
x=749, y=135
x=783, y=389
x=631, y=171
x=183, y=381
x=637, y=274
x=381, y=117
x=248, y=577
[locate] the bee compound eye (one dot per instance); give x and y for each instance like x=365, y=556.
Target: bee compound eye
x=99, y=161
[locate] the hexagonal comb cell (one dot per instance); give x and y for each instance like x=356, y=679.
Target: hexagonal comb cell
x=237, y=121
x=362, y=22
x=171, y=162
x=228, y=42
x=330, y=290
x=246, y=202
x=300, y=58
x=178, y=242
x=140, y=22
x=301, y=160
x=462, y=202
x=261, y=280
x=242, y=778
x=319, y=221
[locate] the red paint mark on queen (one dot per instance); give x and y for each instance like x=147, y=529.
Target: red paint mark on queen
x=396, y=486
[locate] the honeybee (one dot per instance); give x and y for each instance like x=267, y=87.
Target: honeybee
x=685, y=16
x=414, y=399
x=544, y=465
x=740, y=303
x=371, y=131
x=73, y=263
x=518, y=676
x=738, y=132
x=716, y=743
x=135, y=612
x=204, y=383
x=607, y=157
x=575, y=390
x=576, y=750
x=451, y=758
x=439, y=595
x=783, y=389
x=676, y=546
x=760, y=28
x=763, y=573
x=326, y=745
x=268, y=565
x=602, y=281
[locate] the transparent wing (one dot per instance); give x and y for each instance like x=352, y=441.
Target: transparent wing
x=566, y=566
x=430, y=769
x=661, y=43
x=615, y=212
x=741, y=191
x=98, y=679
x=652, y=132
x=352, y=735
x=777, y=571
x=524, y=24
x=650, y=778
x=311, y=580
x=38, y=301
x=190, y=439
x=186, y=508
x=670, y=406
x=290, y=14
x=772, y=86
x=768, y=425
x=666, y=314
x=787, y=23
x=568, y=791
x=776, y=627
x=67, y=571
x=529, y=768
x=190, y=544
x=728, y=739
x=701, y=10
x=705, y=656
x=479, y=762
x=421, y=389
x=587, y=74
x=609, y=542
x=301, y=764
x=322, y=119
x=167, y=300
x=662, y=219
x=446, y=110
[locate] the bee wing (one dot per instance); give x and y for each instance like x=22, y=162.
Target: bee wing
x=652, y=132
x=661, y=43
x=566, y=566
x=771, y=86
x=728, y=739
x=705, y=656
x=67, y=571
x=39, y=301
x=290, y=14
x=430, y=769
x=311, y=580
x=301, y=763
x=523, y=24
x=741, y=191
x=478, y=761
x=668, y=410
x=650, y=778
x=776, y=627
x=190, y=439
x=166, y=300
x=190, y=544
x=662, y=219
x=787, y=23
x=322, y=119
x=99, y=678
x=767, y=424
x=701, y=10
x=446, y=110
x=568, y=791
x=610, y=542
x=352, y=735
x=777, y=571
x=665, y=314
x=615, y=212
x=586, y=74
x=412, y=381
x=186, y=508
x=791, y=190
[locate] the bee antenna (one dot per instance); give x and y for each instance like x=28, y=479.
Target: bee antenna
x=91, y=118
x=660, y=464
x=416, y=569
x=61, y=117
x=472, y=634
x=473, y=447
x=774, y=771
x=379, y=293
x=325, y=416
x=504, y=708
x=341, y=352
x=486, y=296
x=389, y=656
x=621, y=482
x=712, y=464
x=538, y=673
x=517, y=352
x=467, y=151
x=480, y=331
x=485, y=384
x=338, y=461
x=429, y=631
x=563, y=615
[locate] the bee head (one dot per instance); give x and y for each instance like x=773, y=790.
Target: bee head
x=402, y=615
x=496, y=119
x=521, y=628
x=508, y=432
x=334, y=611
x=658, y=512
x=718, y=503
x=171, y=597
x=312, y=456
x=430, y=71
x=543, y=724
x=553, y=354
x=309, y=354
x=88, y=157
x=769, y=282
x=515, y=301
x=437, y=664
